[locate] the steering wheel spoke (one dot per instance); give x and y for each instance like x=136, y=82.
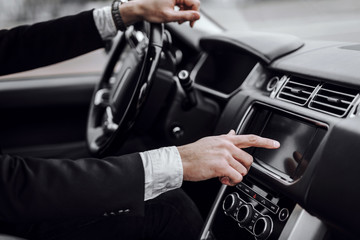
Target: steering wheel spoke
x=101, y=98
x=123, y=88
x=109, y=125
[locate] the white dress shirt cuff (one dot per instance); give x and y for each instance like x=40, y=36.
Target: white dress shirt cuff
x=163, y=171
x=104, y=23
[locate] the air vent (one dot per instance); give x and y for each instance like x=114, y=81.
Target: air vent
x=297, y=90
x=334, y=100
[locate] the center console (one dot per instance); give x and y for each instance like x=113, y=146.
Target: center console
x=251, y=209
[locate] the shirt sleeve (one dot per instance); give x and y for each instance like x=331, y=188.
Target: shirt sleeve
x=163, y=171
x=104, y=23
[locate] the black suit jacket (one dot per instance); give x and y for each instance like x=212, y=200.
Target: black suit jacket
x=34, y=189
x=28, y=47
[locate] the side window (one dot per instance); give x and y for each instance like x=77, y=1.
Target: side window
x=19, y=12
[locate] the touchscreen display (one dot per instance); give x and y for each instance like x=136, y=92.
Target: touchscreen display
x=294, y=137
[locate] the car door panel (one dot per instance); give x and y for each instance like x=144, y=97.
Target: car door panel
x=44, y=111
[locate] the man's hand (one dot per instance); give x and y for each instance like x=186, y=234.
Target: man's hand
x=221, y=156
x=160, y=11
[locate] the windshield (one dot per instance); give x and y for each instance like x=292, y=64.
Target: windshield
x=334, y=20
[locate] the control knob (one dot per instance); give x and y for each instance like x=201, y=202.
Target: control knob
x=231, y=202
x=245, y=214
x=263, y=228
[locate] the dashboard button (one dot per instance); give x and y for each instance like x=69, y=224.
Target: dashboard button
x=246, y=190
x=241, y=186
x=283, y=214
x=274, y=208
x=260, y=199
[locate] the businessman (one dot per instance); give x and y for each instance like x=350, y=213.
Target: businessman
x=135, y=196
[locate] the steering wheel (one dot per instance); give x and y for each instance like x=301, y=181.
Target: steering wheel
x=123, y=88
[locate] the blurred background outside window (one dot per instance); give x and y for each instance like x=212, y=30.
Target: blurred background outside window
x=314, y=19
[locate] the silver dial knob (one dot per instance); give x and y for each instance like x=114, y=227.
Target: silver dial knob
x=263, y=228
x=231, y=202
x=245, y=214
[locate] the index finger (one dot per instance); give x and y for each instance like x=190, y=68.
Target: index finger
x=192, y=4
x=245, y=141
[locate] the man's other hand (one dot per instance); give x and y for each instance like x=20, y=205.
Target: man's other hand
x=221, y=156
x=160, y=11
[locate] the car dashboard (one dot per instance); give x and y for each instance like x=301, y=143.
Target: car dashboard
x=305, y=95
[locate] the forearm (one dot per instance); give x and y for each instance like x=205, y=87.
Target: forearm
x=28, y=47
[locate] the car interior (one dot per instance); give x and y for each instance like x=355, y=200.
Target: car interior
x=186, y=84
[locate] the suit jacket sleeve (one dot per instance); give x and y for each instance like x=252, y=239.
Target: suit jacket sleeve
x=34, y=189
x=28, y=47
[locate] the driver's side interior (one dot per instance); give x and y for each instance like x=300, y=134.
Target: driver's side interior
x=46, y=111
x=193, y=84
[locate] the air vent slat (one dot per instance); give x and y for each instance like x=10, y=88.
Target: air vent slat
x=291, y=95
x=330, y=106
x=327, y=98
x=302, y=84
x=292, y=90
x=334, y=100
x=297, y=90
x=340, y=93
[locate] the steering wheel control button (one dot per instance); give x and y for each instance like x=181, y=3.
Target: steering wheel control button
x=263, y=228
x=231, y=203
x=245, y=214
x=283, y=214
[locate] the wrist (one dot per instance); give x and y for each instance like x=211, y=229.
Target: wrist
x=131, y=12
x=184, y=156
x=116, y=16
